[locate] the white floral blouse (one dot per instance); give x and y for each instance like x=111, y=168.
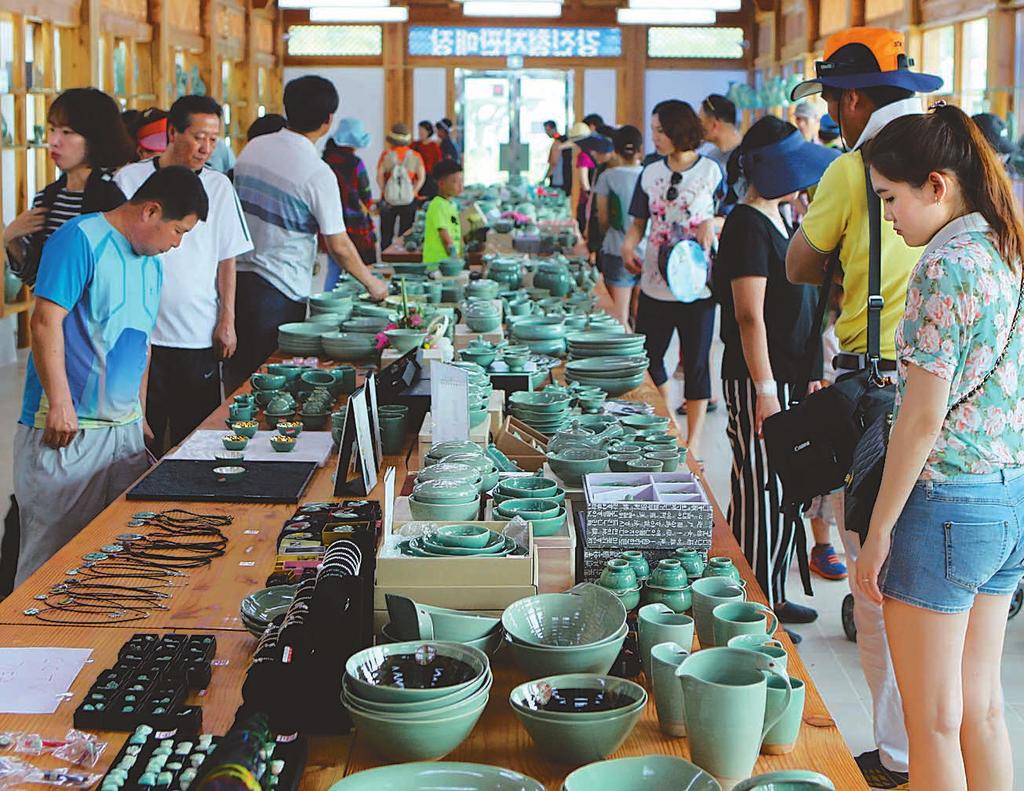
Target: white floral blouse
x=961, y=302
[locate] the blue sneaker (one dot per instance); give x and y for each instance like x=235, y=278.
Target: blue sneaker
x=825, y=563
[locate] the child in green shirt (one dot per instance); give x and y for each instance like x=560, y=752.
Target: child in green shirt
x=443, y=235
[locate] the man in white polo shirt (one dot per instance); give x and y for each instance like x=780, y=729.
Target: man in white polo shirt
x=289, y=195
x=195, y=328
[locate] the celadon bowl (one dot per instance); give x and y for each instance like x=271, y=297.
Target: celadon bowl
x=435, y=512
x=574, y=741
x=560, y=698
x=527, y=486
x=422, y=740
x=645, y=773
x=413, y=671
x=447, y=710
x=549, y=620
x=598, y=658
x=446, y=492
x=466, y=536
x=416, y=706
x=438, y=776
x=573, y=463
x=529, y=508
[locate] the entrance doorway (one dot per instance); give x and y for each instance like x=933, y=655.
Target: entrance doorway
x=502, y=115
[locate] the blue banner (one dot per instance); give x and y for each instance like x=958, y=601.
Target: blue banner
x=529, y=42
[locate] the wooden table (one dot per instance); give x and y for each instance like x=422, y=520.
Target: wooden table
x=211, y=598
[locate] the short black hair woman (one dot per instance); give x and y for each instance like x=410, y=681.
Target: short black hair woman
x=676, y=195
x=88, y=141
x=766, y=324
x=945, y=546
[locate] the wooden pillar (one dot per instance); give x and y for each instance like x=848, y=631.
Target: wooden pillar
x=631, y=77
x=578, y=83
x=1001, y=66
x=397, y=94
x=209, y=59
x=160, y=53
x=80, y=48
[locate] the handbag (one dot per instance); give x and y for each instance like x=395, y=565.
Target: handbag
x=865, y=478
x=811, y=444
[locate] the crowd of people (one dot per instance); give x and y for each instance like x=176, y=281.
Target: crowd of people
x=160, y=263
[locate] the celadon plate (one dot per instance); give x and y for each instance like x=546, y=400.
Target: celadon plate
x=438, y=776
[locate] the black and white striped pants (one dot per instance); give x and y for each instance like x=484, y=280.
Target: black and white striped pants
x=765, y=534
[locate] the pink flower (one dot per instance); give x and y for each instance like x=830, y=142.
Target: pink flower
x=390, y=326
x=415, y=320
x=382, y=339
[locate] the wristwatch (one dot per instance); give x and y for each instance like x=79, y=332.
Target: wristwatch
x=767, y=388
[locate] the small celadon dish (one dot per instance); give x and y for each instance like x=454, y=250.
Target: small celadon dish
x=245, y=428
x=234, y=441
x=228, y=474
x=465, y=536
x=289, y=428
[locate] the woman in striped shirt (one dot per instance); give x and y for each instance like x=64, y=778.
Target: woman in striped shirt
x=87, y=141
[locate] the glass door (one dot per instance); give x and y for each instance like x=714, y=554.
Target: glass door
x=501, y=115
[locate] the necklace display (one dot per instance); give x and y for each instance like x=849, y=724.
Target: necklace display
x=127, y=580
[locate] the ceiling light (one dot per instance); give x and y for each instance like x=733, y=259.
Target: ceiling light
x=663, y=16
x=336, y=13
x=687, y=5
x=502, y=8
x=308, y=4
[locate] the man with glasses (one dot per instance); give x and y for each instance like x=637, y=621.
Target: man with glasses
x=718, y=117
x=866, y=81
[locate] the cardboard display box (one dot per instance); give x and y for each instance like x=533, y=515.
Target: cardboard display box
x=521, y=447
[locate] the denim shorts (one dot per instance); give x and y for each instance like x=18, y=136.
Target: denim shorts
x=615, y=272
x=957, y=538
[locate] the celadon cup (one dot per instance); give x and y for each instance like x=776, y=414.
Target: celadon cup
x=659, y=623
x=665, y=659
x=708, y=593
x=745, y=617
x=726, y=697
x=781, y=737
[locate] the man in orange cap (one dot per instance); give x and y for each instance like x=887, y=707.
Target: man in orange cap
x=866, y=81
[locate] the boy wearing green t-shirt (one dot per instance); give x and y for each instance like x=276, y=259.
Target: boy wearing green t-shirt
x=443, y=235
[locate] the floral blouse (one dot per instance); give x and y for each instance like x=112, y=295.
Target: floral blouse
x=961, y=302
x=672, y=220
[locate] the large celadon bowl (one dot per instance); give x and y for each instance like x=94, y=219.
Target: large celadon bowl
x=646, y=773
x=536, y=662
x=559, y=698
x=575, y=741
x=435, y=675
x=404, y=740
x=438, y=776
x=555, y=620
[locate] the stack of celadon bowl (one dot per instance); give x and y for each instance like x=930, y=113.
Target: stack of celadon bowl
x=544, y=411
x=577, y=717
x=467, y=453
x=466, y=540
x=580, y=631
x=601, y=343
x=335, y=302
x=615, y=375
x=302, y=338
x=541, y=334
x=349, y=345
x=416, y=701
x=514, y=492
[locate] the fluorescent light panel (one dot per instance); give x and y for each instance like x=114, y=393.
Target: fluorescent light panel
x=644, y=16
x=686, y=5
x=499, y=8
x=341, y=14
x=308, y=4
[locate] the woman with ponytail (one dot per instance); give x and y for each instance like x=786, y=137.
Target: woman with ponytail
x=945, y=548
x=614, y=190
x=766, y=321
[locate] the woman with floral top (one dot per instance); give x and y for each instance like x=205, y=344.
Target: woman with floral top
x=676, y=194
x=945, y=549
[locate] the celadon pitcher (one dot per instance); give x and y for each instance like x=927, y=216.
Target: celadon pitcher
x=725, y=693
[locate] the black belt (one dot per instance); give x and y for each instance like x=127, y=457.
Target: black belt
x=857, y=362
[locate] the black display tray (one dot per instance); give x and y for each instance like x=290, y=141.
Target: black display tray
x=263, y=482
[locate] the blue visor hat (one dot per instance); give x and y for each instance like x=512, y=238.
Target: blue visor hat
x=788, y=166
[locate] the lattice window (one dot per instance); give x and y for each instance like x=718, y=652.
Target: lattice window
x=335, y=40
x=695, y=42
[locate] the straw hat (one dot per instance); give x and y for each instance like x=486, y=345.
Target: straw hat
x=399, y=135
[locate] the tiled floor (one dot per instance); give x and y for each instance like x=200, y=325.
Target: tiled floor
x=832, y=659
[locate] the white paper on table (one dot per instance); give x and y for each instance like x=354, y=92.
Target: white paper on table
x=35, y=680
x=203, y=445
x=449, y=403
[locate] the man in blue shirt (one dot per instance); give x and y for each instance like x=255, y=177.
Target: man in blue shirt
x=79, y=442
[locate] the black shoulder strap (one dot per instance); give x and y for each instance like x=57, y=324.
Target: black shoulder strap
x=875, y=299
x=812, y=349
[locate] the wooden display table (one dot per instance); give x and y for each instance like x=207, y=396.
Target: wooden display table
x=210, y=601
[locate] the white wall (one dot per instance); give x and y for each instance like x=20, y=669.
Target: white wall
x=690, y=86
x=599, y=93
x=362, y=96
x=429, y=96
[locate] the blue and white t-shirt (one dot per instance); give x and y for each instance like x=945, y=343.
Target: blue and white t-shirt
x=288, y=194
x=112, y=296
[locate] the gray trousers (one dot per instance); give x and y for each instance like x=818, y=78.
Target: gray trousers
x=61, y=490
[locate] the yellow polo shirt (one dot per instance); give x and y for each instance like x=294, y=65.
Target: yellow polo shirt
x=838, y=218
